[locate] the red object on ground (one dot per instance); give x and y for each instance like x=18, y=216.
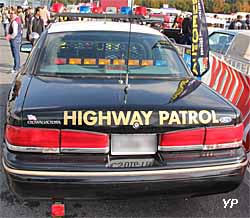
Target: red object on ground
x=57, y=7
x=57, y=210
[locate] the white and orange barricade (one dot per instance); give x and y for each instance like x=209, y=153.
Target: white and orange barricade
x=234, y=86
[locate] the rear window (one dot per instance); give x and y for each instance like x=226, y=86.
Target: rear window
x=109, y=53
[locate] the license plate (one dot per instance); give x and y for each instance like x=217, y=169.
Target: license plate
x=133, y=144
x=130, y=163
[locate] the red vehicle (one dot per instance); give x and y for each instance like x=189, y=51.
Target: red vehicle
x=57, y=7
x=141, y=11
x=113, y=3
x=166, y=18
x=97, y=10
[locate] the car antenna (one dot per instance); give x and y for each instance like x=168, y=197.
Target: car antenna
x=127, y=85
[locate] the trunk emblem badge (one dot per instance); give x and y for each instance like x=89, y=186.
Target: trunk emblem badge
x=226, y=120
x=31, y=117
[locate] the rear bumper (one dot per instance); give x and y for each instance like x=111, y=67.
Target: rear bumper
x=187, y=182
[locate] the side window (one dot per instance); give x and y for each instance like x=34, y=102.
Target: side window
x=220, y=42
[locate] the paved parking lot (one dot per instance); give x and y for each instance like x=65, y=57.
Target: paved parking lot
x=209, y=206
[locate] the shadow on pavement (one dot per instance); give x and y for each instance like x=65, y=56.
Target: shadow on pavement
x=6, y=65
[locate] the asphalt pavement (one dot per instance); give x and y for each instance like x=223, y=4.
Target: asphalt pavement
x=209, y=206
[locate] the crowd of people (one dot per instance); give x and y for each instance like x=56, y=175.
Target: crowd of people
x=184, y=24
x=15, y=20
x=239, y=23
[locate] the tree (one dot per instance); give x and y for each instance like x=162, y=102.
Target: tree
x=219, y=6
x=227, y=8
x=209, y=5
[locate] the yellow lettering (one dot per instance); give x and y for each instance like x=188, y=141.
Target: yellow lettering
x=80, y=118
x=195, y=7
x=195, y=36
x=90, y=118
x=67, y=117
x=174, y=118
x=194, y=69
x=214, y=118
x=207, y=119
x=184, y=116
x=102, y=118
x=192, y=118
x=147, y=116
x=121, y=118
x=195, y=49
x=195, y=21
x=136, y=118
x=163, y=116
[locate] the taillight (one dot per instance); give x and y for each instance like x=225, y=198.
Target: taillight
x=224, y=137
x=192, y=139
x=53, y=140
x=32, y=139
x=87, y=142
x=211, y=138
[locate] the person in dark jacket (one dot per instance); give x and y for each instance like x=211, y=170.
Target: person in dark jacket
x=238, y=24
x=248, y=22
x=28, y=17
x=15, y=38
x=187, y=30
x=36, y=23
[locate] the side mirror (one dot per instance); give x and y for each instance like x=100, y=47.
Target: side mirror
x=26, y=47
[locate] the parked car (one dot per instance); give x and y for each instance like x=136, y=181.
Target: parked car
x=233, y=46
x=110, y=110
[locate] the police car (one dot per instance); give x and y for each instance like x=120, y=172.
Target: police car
x=109, y=110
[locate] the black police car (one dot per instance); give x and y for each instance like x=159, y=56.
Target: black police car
x=109, y=110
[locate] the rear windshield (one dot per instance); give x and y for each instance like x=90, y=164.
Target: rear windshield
x=109, y=53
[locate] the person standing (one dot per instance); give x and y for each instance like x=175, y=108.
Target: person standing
x=45, y=15
x=28, y=17
x=36, y=24
x=187, y=30
x=248, y=22
x=5, y=20
x=14, y=36
x=238, y=24
x=21, y=15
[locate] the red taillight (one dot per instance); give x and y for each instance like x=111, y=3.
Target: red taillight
x=35, y=138
x=193, y=138
x=84, y=140
x=222, y=135
x=201, y=138
x=182, y=138
x=52, y=140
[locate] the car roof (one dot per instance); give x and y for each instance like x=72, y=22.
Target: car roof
x=240, y=47
x=73, y=26
x=233, y=32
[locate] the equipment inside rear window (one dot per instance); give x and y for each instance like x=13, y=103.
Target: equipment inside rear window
x=109, y=53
